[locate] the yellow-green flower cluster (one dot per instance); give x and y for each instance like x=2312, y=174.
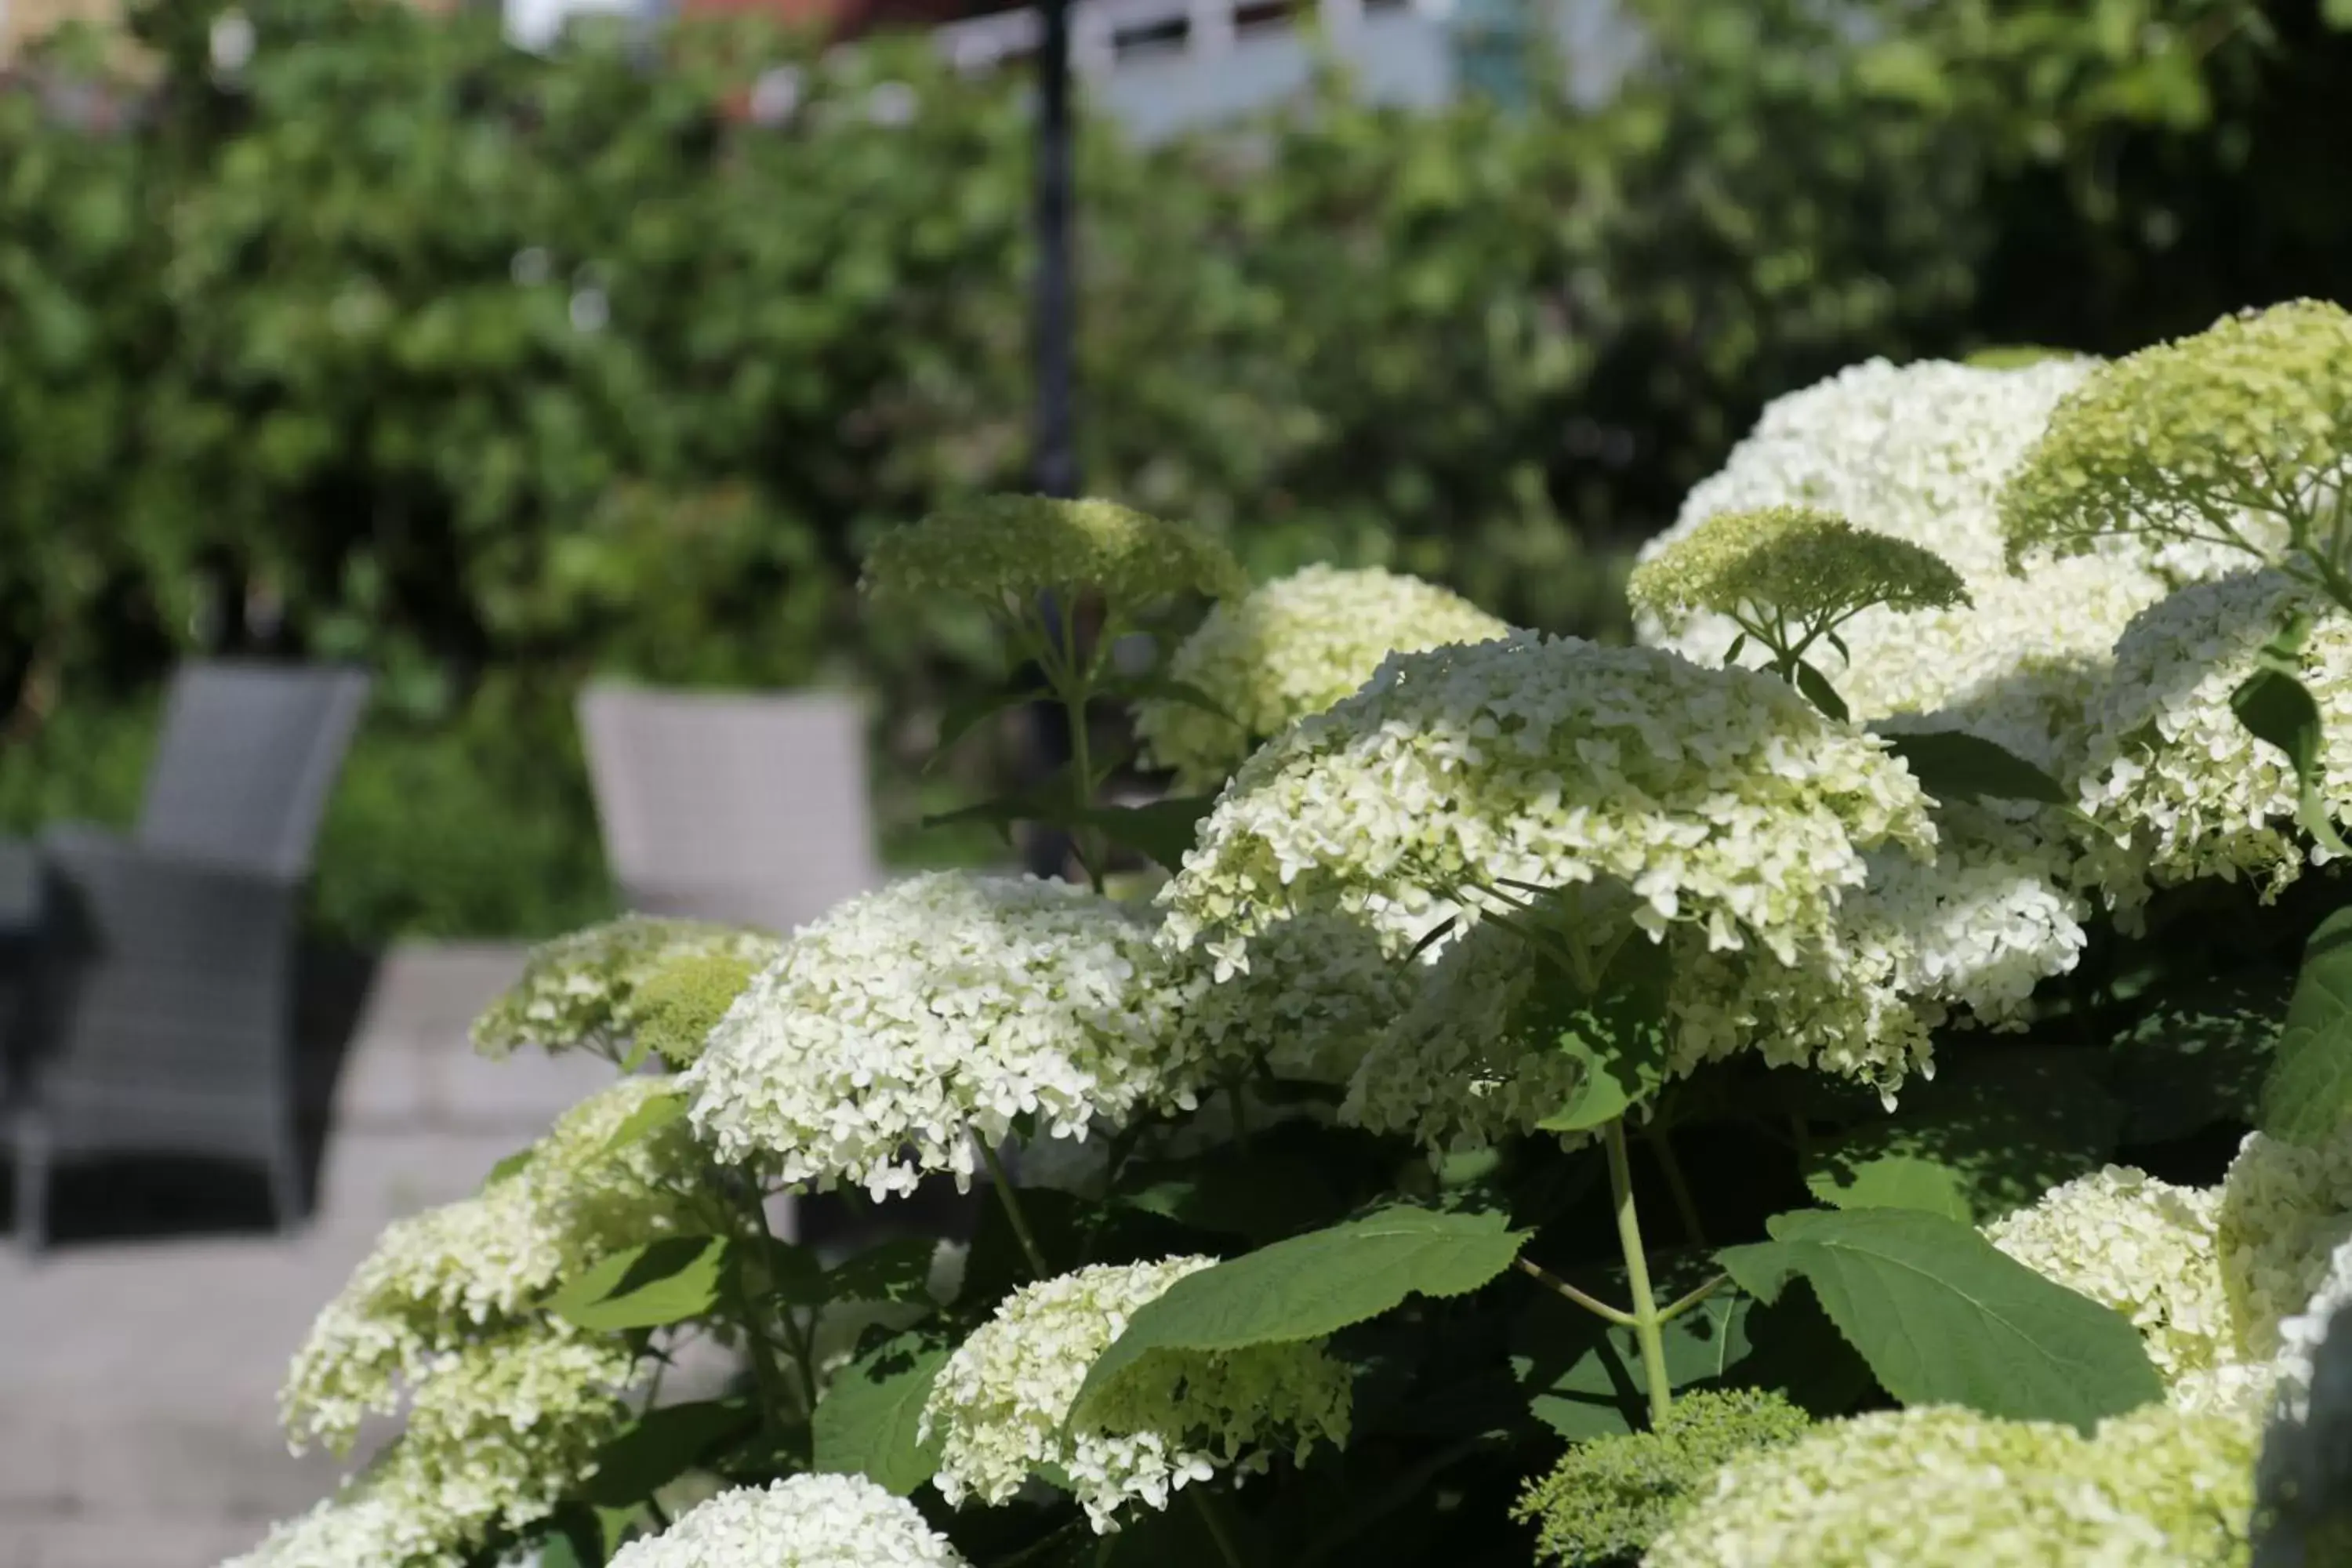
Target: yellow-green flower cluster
x=802, y=1522
x=909, y=1025
x=438, y=1281
x=680, y=1003
x=1001, y=1407
x=2286, y=1207
x=1005, y=551
x=582, y=990
x=2183, y=788
x=2143, y=1247
x=1715, y=806
x=1941, y=1487
x=1802, y=564
x=2236, y=438
x=499, y=1433
x=1610, y=1498
x=1292, y=647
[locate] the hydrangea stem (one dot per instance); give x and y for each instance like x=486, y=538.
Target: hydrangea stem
x=765, y=1374
x=1214, y=1518
x=1646, y=1320
x=999, y=1178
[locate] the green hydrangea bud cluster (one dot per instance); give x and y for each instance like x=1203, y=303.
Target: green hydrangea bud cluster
x=1612, y=1497
x=1789, y=573
x=681, y=1002
x=1005, y=551
x=582, y=990
x=2239, y=437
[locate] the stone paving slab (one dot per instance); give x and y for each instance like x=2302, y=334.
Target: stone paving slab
x=139, y=1380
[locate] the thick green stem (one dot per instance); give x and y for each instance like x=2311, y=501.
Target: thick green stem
x=1567, y=1293
x=765, y=1374
x=1646, y=1321
x=999, y=1179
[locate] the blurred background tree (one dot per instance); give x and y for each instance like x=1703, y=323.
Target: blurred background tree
x=363, y=335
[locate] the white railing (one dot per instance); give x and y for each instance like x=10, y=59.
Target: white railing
x=1106, y=34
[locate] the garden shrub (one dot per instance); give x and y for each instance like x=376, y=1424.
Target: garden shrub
x=1682, y=1102
x=536, y=368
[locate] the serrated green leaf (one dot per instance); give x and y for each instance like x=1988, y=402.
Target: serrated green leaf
x=866, y=1423
x=2307, y=1098
x=1943, y=1317
x=1618, y=1038
x=664, y=1281
x=662, y=1444
x=1954, y=765
x=1895, y=1180
x=1313, y=1285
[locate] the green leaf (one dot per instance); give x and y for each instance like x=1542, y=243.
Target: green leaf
x=657, y=1112
x=786, y=1272
x=1954, y=765
x=961, y=717
x=664, y=1281
x=1257, y=1196
x=1165, y=830
x=1585, y=1377
x=1617, y=1036
x=661, y=1446
x=867, y=1422
x=1818, y=691
x=2197, y=1053
x=1313, y=1285
x=2274, y=706
x=506, y=1167
x=2308, y=1096
x=1992, y=1133
x=1167, y=689
x=1943, y=1317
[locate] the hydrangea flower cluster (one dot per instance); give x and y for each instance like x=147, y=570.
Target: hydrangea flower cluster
x=1292, y=647
x=1317, y=991
x=2170, y=770
x=2284, y=1210
x=2236, y=438
x=438, y=1280
x=1727, y=812
x=802, y=1522
x=1611, y=1497
x=499, y=1432
x=581, y=989
x=1004, y=551
x=1002, y=1404
x=2143, y=1247
x=910, y=1022
x=1941, y=1487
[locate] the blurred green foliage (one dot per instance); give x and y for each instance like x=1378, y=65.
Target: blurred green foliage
x=497, y=371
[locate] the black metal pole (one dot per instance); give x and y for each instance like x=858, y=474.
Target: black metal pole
x=1054, y=461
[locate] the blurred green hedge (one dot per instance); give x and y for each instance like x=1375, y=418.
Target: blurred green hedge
x=497, y=371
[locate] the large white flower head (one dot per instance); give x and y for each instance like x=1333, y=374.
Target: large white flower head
x=1001, y=1406
x=2171, y=771
x=1292, y=647
x=1714, y=809
x=582, y=990
x=499, y=1432
x=1318, y=990
x=802, y=1522
x=1941, y=1487
x=438, y=1280
x=910, y=1022
x=2285, y=1209
x=2140, y=1246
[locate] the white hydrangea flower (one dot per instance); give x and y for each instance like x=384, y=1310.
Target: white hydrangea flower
x=499, y=1433
x=802, y=1522
x=2171, y=771
x=1318, y=989
x=1941, y=1487
x=2242, y=1390
x=909, y=1023
x=580, y=991
x=1292, y=647
x=2143, y=1247
x=2301, y=1335
x=2284, y=1210
x=438, y=1279
x=1001, y=1406
x=1718, y=803
x=1978, y=929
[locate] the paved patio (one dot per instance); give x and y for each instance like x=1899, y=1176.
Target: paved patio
x=139, y=1377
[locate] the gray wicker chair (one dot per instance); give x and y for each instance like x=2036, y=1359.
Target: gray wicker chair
x=751, y=808
x=162, y=1006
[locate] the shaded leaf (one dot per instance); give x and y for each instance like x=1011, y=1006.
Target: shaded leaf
x=661, y=1446
x=867, y=1422
x=1618, y=1038
x=1954, y=765
x=1165, y=830
x=1820, y=692
x=2307, y=1097
x=2275, y=706
x=2197, y=1053
x=664, y=1281
x=897, y=1270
